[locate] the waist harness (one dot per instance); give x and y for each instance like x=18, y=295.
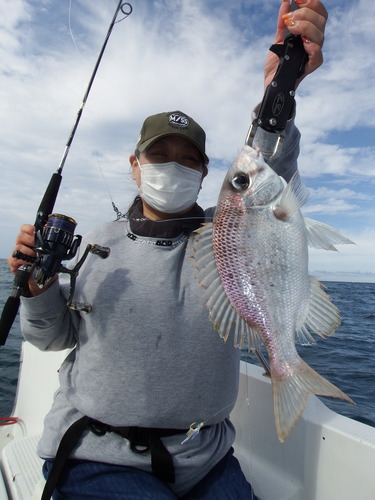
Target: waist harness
x=141, y=440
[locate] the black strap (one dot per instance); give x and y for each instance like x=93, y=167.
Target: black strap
x=141, y=440
x=161, y=460
x=67, y=443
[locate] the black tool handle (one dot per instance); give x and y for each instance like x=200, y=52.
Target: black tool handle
x=266, y=131
x=278, y=101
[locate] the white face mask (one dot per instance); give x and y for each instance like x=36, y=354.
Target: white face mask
x=169, y=187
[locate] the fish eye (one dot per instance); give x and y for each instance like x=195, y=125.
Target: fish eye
x=240, y=181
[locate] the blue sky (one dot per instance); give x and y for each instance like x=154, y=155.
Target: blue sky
x=204, y=57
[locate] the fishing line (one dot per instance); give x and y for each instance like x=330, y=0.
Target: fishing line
x=70, y=29
x=80, y=58
x=119, y=215
x=247, y=456
x=195, y=428
x=121, y=6
x=249, y=437
x=143, y=219
x=105, y=182
x=126, y=13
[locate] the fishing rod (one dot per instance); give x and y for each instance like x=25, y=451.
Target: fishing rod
x=267, y=130
x=54, y=233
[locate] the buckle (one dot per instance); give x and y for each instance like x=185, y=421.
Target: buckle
x=139, y=439
x=98, y=428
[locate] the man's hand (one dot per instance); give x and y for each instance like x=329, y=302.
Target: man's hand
x=25, y=242
x=309, y=21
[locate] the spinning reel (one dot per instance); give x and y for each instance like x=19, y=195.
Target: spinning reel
x=54, y=244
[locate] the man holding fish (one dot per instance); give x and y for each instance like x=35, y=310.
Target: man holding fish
x=147, y=364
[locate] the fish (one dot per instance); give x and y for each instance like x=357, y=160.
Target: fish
x=252, y=263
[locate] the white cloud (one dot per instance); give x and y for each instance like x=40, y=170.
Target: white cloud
x=331, y=201
x=325, y=192
x=204, y=57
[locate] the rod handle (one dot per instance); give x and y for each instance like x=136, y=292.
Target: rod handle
x=7, y=318
x=13, y=302
x=48, y=201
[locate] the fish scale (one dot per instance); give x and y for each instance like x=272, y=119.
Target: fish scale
x=256, y=279
x=252, y=262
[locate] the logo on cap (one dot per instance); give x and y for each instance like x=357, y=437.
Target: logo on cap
x=178, y=120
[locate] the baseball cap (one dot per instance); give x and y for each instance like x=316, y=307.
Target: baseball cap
x=172, y=123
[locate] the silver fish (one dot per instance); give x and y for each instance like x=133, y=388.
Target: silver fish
x=253, y=264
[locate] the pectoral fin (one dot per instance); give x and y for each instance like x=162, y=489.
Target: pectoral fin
x=293, y=198
x=324, y=237
x=321, y=317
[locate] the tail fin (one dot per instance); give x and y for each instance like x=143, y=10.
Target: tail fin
x=291, y=392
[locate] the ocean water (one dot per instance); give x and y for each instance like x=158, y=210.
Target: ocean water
x=10, y=353
x=347, y=359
